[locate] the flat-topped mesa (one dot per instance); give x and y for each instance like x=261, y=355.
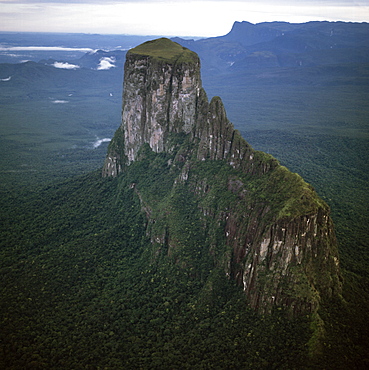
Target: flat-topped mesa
x=163, y=95
x=272, y=233
x=161, y=87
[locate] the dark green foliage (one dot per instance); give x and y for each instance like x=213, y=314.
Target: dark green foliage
x=84, y=286
x=81, y=288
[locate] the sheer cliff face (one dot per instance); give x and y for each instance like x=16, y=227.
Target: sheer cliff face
x=160, y=96
x=262, y=225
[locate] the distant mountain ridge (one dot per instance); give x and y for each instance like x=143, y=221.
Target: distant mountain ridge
x=282, y=44
x=246, y=47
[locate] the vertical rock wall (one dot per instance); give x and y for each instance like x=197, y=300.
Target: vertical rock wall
x=160, y=97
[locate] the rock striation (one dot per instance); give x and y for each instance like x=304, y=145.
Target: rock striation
x=261, y=225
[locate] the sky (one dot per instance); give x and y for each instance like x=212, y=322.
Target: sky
x=168, y=18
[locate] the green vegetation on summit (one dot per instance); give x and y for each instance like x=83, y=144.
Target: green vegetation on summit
x=165, y=50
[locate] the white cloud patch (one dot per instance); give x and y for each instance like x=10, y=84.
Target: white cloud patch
x=43, y=48
x=106, y=63
x=60, y=101
x=65, y=65
x=160, y=17
x=98, y=142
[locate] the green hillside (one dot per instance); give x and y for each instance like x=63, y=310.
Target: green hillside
x=85, y=288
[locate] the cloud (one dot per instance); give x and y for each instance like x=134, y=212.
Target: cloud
x=289, y=2
x=225, y=2
x=98, y=142
x=106, y=63
x=170, y=18
x=60, y=101
x=65, y=65
x=43, y=48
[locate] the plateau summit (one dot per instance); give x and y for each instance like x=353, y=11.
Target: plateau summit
x=212, y=202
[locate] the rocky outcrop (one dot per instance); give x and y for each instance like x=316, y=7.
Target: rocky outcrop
x=160, y=97
x=261, y=224
x=288, y=264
